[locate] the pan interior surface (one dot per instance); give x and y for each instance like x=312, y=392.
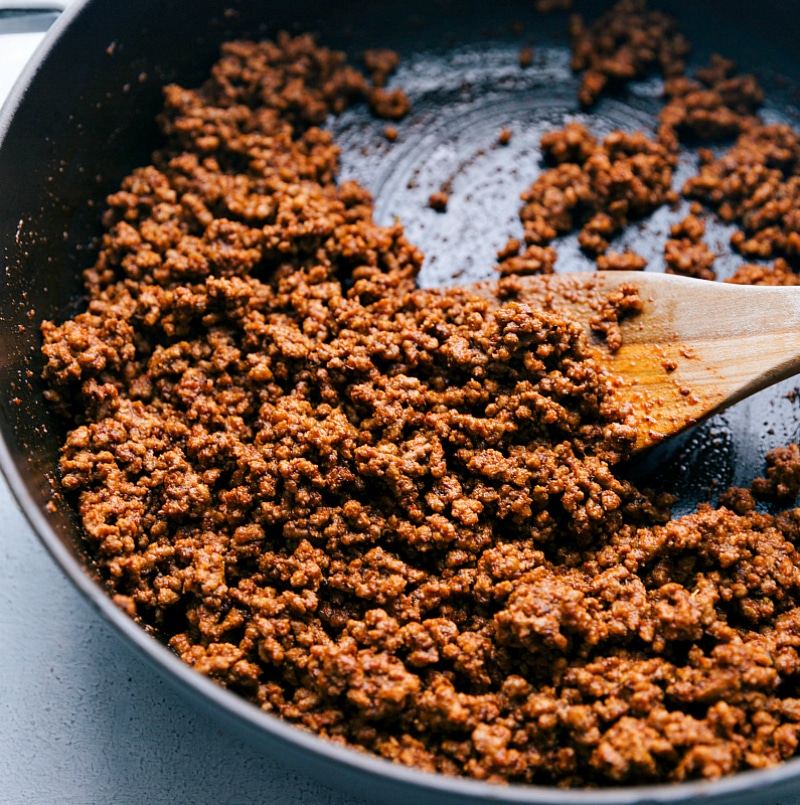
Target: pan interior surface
x=462, y=73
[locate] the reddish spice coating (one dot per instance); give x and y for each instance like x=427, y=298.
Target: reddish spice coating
x=511, y=248
x=381, y=63
x=614, y=308
x=621, y=261
x=623, y=44
x=716, y=105
x=533, y=260
x=598, y=188
x=756, y=184
x=438, y=200
x=391, y=515
x=686, y=253
x=779, y=273
x=783, y=474
x=390, y=104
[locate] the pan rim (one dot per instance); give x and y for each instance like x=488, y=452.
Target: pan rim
x=258, y=724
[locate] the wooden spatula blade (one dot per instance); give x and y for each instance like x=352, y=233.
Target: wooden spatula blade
x=693, y=349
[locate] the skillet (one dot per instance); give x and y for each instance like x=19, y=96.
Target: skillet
x=83, y=116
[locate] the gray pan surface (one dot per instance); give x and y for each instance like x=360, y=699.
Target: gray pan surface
x=83, y=116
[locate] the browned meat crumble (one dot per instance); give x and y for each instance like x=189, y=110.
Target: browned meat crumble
x=716, y=105
x=686, y=253
x=598, y=188
x=756, y=184
x=438, y=201
x=621, y=261
x=392, y=516
x=779, y=273
x=623, y=44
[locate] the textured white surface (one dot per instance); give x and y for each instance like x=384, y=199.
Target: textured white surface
x=15, y=50
x=83, y=720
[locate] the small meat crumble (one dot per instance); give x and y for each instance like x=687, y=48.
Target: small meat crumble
x=394, y=516
x=756, y=184
x=621, y=261
x=779, y=273
x=716, y=105
x=612, y=310
x=783, y=475
x=686, y=253
x=533, y=260
x=391, y=104
x=598, y=188
x=624, y=44
x=438, y=200
x=381, y=63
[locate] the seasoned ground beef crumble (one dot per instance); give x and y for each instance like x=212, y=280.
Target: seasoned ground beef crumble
x=392, y=515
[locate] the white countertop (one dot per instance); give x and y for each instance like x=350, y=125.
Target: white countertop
x=82, y=718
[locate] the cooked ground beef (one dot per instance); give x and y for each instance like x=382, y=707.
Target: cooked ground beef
x=392, y=515
x=716, y=105
x=756, y=184
x=779, y=273
x=686, y=253
x=438, y=201
x=623, y=44
x=621, y=261
x=598, y=188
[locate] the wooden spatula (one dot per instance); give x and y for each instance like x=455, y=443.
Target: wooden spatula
x=695, y=348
